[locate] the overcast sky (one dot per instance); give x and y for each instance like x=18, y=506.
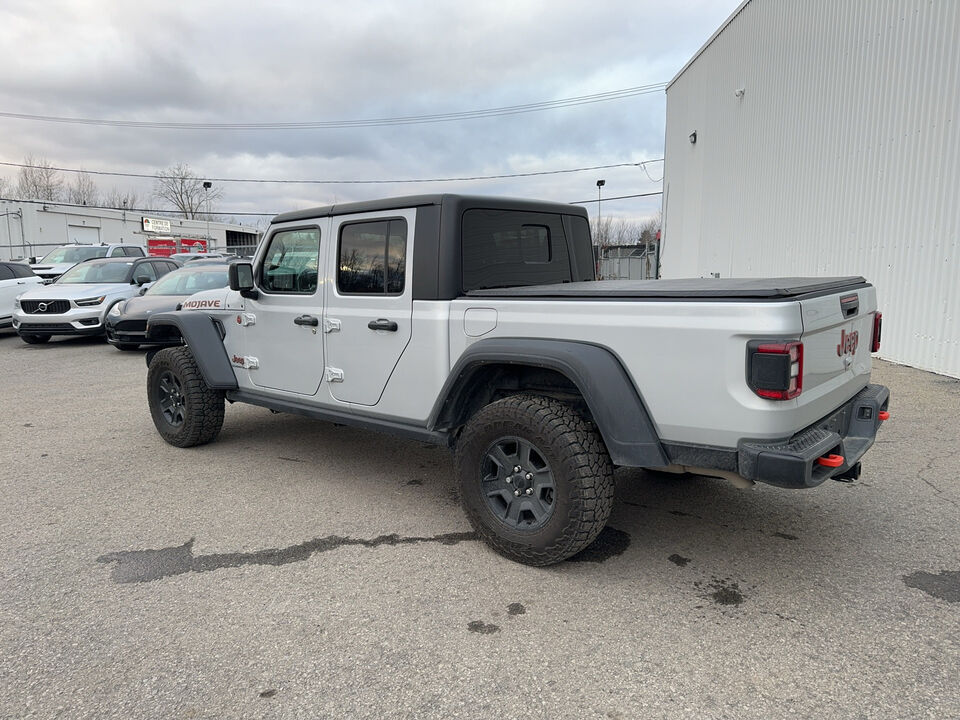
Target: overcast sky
x=234, y=62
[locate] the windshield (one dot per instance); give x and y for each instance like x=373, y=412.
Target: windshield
x=101, y=272
x=74, y=254
x=187, y=282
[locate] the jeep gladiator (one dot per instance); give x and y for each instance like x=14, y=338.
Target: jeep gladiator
x=476, y=323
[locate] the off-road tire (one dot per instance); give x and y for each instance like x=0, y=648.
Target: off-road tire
x=35, y=339
x=126, y=347
x=199, y=409
x=578, y=460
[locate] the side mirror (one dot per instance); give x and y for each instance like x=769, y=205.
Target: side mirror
x=241, y=278
x=143, y=291
x=142, y=280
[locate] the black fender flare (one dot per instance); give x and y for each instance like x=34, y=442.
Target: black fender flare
x=614, y=402
x=200, y=333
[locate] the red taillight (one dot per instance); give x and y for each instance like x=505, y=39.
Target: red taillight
x=877, y=324
x=776, y=369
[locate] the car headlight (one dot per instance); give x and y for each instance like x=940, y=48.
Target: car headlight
x=87, y=302
x=116, y=310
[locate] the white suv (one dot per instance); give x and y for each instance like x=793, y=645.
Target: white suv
x=79, y=300
x=58, y=261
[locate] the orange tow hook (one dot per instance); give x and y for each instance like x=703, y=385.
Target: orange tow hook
x=883, y=415
x=830, y=460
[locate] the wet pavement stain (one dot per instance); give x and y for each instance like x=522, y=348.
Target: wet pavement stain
x=516, y=609
x=785, y=536
x=679, y=560
x=945, y=586
x=726, y=593
x=478, y=626
x=609, y=543
x=134, y=566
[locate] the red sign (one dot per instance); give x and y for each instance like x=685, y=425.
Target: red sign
x=161, y=246
x=193, y=245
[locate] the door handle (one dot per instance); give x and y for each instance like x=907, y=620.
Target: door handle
x=306, y=320
x=383, y=324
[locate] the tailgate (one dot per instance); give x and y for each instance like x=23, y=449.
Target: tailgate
x=837, y=338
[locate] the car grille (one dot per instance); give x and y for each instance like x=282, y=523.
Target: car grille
x=130, y=326
x=45, y=327
x=45, y=307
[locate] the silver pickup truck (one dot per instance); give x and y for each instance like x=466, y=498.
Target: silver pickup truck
x=476, y=323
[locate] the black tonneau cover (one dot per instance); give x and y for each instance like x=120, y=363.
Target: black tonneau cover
x=686, y=288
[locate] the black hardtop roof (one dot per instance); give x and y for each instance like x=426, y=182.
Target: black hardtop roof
x=409, y=201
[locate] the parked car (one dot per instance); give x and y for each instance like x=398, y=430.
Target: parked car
x=58, y=261
x=476, y=323
x=126, y=323
x=15, y=279
x=78, y=302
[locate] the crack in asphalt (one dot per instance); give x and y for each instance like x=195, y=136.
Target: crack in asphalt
x=928, y=467
x=135, y=566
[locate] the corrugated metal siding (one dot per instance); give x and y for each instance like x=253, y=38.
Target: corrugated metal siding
x=842, y=157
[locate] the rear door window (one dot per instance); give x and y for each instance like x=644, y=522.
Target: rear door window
x=508, y=248
x=372, y=258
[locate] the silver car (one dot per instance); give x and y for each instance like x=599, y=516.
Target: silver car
x=78, y=302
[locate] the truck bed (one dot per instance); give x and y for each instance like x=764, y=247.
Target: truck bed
x=728, y=289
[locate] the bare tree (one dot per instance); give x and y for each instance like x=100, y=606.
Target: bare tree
x=121, y=199
x=650, y=228
x=180, y=187
x=6, y=188
x=38, y=180
x=83, y=190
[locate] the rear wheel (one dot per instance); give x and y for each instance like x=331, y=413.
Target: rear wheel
x=186, y=412
x=535, y=478
x=34, y=339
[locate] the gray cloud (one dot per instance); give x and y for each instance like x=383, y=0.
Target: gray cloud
x=299, y=61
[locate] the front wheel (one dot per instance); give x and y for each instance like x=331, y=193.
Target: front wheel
x=186, y=412
x=536, y=480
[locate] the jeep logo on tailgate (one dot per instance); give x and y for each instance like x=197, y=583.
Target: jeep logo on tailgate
x=848, y=343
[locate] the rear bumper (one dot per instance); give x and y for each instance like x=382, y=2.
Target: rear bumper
x=848, y=431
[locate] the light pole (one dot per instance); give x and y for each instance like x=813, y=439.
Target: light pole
x=206, y=192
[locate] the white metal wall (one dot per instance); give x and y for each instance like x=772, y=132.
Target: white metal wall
x=841, y=157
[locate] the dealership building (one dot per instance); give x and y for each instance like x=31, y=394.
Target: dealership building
x=32, y=229
x=816, y=137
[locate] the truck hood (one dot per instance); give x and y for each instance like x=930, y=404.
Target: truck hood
x=48, y=269
x=77, y=291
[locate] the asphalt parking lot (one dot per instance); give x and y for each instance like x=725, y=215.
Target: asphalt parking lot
x=300, y=569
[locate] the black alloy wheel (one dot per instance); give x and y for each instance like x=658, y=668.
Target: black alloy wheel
x=517, y=483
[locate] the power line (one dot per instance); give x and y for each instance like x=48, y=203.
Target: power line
x=369, y=122
x=503, y=176
x=618, y=197
x=152, y=211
